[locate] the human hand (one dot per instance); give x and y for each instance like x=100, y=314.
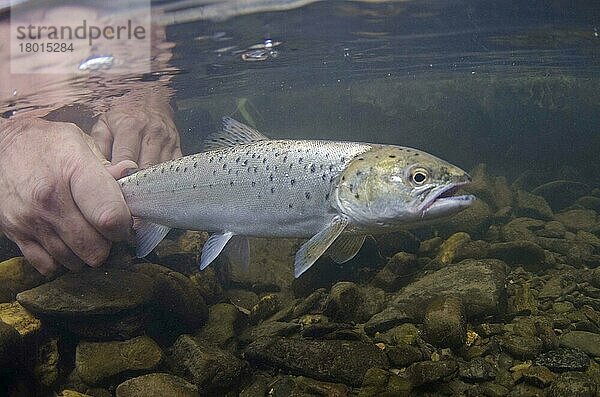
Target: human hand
x=140, y=129
x=58, y=203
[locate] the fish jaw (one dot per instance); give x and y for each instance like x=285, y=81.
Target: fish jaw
x=442, y=202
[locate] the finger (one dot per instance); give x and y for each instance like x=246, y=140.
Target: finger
x=107, y=213
x=59, y=251
x=37, y=256
x=150, y=152
x=103, y=138
x=122, y=169
x=126, y=143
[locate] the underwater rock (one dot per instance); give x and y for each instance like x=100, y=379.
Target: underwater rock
x=184, y=253
x=529, y=205
x=242, y=298
x=426, y=372
x=473, y=220
x=270, y=267
x=17, y=316
x=400, y=241
x=521, y=229
x=207, y=283
x=91, y=292
x=212, y=370
x=479, y=283
x=17, y=275
x=563, y=359
x=97, y=362
x=552, y=229
x=521, y=346
x=73, y=393
x=387, y=319
x=444, y=323
x=587, y=342
x=561, y=194
x=523, y=302
x=571, y=384
x=220, y=329
x=396, y=272
x=477, y=369
x=589, y=202
x=47, y=366
x=403, y=355
x=177, y=297
x=578, y=219
x=260, y=386
x=381, y=383
x=517, y=252
x=347, y=302
x=402, y=334
x=538, y=376
x=430, y=247
x=447, y=252
x=157, y=385
x=264, y=308
x=11, y=348
x=328, y=360
x=310, y=386
x=268, y=329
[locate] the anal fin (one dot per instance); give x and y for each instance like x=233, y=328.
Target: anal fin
x=345, y=248
x=147, y=235
x=213, y=247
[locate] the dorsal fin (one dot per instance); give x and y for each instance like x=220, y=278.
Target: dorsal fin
x=234, y=133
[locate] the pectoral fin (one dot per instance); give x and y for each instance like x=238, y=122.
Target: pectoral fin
x=238, y=251
x=147, y=235
x=213, y=247
x=345, y=248
x=317, y=245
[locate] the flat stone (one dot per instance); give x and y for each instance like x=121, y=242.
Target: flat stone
x=587, y=342
x=91, y=292
x=563, y=360
x=97, y=362
x=590, y=202
x=402, y=355
x=212, y=370
x=426, y=372
x=538, y=376
x=523, y=347
x=157, y=385
x=266, y=306
x=578, y=219
x=477, y=370
x=444, y=324
x=17, y=275
x=328, y=360
x=17, y=316
x=521, y=229
x=223, y=322
x=269, y=329
x=387, y=319
x=480, y=284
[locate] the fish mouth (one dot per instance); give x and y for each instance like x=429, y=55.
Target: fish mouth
x=443, y=200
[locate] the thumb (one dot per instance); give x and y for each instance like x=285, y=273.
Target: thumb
x=121, y=169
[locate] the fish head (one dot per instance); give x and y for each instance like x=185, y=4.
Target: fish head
x=393, y=186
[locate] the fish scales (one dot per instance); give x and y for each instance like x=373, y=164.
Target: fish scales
x=275, y=188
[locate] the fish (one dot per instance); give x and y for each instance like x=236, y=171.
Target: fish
x=335, y=193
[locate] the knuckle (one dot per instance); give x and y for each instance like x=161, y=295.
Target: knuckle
x=44, y=194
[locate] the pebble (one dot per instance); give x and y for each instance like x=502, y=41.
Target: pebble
x=379, y=382
x=563, y=360
x=220, y=329
x=387, y=319
x=570, y=384
x=17, y=275
x=477, y=370
x=532, y=206
x=97, y=362
x=523, y=347
x=17, y=316
x=449, y=248
x=517, y=252
x=328, y=360
x=402, y=355
x=157, y=385
x=578, y=219
x=426, y=372
x=538, y=376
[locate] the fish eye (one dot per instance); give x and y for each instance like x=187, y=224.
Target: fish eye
x=419, y=176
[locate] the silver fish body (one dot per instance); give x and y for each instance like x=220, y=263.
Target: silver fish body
x=333, y=192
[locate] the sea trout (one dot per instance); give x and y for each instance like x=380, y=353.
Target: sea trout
x=335, y=193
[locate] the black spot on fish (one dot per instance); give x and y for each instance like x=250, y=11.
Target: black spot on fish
x=185, y=169
x=358, y=173
x=237, y=172
x=230, y=183
x=248, y=153
x=145, y=174
x=193, y=186
x=313, y=168
x=224, y=166
x=272, y=190
x=253, y=155
x=220, y=158
x=172, y=190
x=210, y=160
x=291, y=165
x=229, y=172
x=267, y=167
x=284, y=159
x=122, y=183
x=323, y=176
x=307, y=195
x=237, y=160
x=210, y=186
x=300, y=160
x=264, y=160
x=290, y=205
x=356, y=195
x=275, y=168
x=343, y=178
x=245, y=162
x=271, y=177
x=343, y=159
x=137, y=183
x=321, y=167
x=392, y=156
x=330, y=168
x=253, y=183
x=361, y=158
x=171, y=167
x=162, y=170
x=214, y=172
x=196, y=164
x=292, y=182
x=177, y=168
x=255, y=169
x=326, y=196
